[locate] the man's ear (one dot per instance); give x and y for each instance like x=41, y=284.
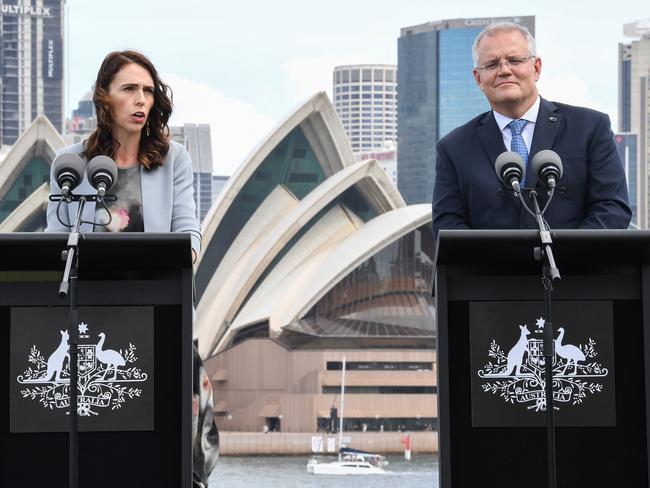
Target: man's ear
x=477, y=78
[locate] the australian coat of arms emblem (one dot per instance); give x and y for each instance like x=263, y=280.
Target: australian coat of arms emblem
x=517, y=375
x=108, y=378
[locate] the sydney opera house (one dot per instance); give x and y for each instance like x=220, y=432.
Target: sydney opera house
x=309, y=257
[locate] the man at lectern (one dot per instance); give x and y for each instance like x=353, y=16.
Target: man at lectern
x=591, y=192
x=154, y=192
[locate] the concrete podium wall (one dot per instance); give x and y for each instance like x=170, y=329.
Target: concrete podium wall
x=280, y=443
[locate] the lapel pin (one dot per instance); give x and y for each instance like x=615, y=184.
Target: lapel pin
x=552, y=118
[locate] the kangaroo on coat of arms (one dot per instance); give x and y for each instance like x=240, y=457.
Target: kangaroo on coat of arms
x=519, y=376
x=57, y=359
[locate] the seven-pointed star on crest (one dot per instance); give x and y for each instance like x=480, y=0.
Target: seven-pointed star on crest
x=83, y=328
x=540, y=323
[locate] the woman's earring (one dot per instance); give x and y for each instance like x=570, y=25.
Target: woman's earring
x=147, y=131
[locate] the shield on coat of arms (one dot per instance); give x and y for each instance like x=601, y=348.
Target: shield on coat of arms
x=87, y=360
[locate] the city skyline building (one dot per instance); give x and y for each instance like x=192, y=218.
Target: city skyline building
x=196, y=139
x=627, y=147
x=437, y=93
x=218, y=182
x=31, y=61
x=83, y=120
x=634, y=104
x=365, y=99
x=386, y=157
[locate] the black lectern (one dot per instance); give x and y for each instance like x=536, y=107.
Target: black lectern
x=135, y=376
x=490, y=307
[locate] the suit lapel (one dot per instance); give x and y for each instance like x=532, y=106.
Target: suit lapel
x=546, y=127
x=490, y=137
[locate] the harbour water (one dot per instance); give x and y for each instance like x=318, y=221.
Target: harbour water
x=290, y=471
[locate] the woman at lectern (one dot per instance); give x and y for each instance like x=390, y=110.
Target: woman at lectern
x=154, y=188
x=155, y=178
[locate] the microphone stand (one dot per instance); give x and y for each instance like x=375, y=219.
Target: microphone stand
x=68, y=287
x=550, y=275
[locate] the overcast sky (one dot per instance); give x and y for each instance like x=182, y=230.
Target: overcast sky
x=242, y=66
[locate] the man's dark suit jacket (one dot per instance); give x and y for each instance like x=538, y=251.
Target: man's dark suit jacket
x=592, y=193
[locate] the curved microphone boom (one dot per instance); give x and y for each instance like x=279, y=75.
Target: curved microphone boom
x=510, y=169
x=68, y=171
x=102, y=173
x=547, y=165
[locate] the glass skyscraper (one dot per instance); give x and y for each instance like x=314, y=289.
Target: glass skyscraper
x=634, y=108
x=31, y=65
x=436, y=93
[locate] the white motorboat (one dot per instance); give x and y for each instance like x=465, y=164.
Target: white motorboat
x=343, y=467
x=350, y=461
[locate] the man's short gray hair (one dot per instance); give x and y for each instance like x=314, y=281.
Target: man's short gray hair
x=497, y=28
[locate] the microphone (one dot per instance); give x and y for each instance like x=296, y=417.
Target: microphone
x=68, y=171
x=547, y=165
x=102, y=173
x=510, y=169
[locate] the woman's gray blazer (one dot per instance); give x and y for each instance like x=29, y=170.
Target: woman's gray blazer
x=167, y=197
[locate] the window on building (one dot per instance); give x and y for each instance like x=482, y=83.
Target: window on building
x=380, y=366
x=379, y=75
x=303, y=178
x=354, y=75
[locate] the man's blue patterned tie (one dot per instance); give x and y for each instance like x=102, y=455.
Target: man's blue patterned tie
x=518, y=145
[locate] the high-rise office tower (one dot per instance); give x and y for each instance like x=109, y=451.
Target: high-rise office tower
x=626, y=145
x=365, y=99
x=634, y=105
x=31, y=65
x=83, y=121
x=196, y=138
x=436, y=93
x=218, y=182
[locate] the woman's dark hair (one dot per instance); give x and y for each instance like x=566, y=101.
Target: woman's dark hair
x=154, y=146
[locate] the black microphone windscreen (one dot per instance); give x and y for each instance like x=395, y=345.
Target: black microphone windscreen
x=546, y=158
x=509, y=159
x=102, y=169
x=69, y=166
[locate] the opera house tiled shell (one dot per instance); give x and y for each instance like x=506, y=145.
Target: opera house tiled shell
x=25, y=176
x=307, y=246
